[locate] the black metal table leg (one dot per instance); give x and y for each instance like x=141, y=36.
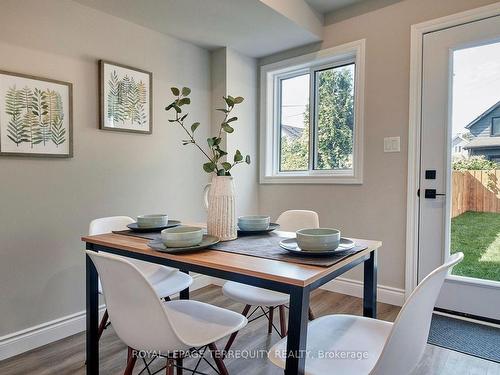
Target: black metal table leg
x=370, y=286
x=297, y=331
x=92, y=302
x=184, y=294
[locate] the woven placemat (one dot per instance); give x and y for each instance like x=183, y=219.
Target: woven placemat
x=263, y=246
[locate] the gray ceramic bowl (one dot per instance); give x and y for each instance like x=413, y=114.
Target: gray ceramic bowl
x=152, y=221
x=316, y=239
x=182, y=236
x=254, y=222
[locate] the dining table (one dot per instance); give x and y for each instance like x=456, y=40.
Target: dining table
x=295, y=279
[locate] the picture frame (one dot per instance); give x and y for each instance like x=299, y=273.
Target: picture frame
x=36, y=116
x=125, y=98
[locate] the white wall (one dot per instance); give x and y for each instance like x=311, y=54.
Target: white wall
x=236, y=75
x=376, y=209
x=46, y=204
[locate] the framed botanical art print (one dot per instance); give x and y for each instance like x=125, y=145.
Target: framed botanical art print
x=126, y=98
x=36, y=116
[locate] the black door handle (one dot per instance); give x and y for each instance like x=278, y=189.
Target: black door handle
x=431, y=194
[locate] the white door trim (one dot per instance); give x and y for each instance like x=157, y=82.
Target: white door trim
x=414, y=128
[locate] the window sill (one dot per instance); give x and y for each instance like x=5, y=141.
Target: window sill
x=307, y=180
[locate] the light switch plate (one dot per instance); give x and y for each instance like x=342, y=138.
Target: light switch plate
x=392, y=144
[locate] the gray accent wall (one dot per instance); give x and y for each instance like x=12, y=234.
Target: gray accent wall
x=46, y=204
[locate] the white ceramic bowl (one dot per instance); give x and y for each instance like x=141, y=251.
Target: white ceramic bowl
x=254, y=222
x=152, y=221
x=182, y=236
x=317, y=239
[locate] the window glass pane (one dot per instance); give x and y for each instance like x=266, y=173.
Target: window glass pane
x=335, y=116
x=294, y=123
x=495, y=126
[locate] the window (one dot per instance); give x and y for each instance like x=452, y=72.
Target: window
x=495, y=126
x=311, y=123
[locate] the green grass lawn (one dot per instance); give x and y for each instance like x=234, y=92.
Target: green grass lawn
x=477, y=235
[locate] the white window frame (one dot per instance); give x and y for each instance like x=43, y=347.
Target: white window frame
x=270, y=76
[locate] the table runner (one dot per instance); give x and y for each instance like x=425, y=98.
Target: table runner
x=263, y=246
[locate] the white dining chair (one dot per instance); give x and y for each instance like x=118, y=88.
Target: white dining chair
x=149, y=325
x=372, y=346
x=165, y=280
x=262, y=299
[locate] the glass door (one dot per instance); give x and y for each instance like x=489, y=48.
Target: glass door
x=460, y=170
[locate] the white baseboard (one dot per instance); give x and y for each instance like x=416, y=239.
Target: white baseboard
x=43, y=334
x=34, y=337
x=385, y=294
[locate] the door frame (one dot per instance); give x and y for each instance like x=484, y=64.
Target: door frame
x=415, y=121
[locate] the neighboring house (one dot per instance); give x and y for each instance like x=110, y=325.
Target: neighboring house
x=458, y=146
x=486, y=132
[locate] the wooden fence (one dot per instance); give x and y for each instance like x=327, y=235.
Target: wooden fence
x=477, y=191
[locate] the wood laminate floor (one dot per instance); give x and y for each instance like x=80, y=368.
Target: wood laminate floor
x=67, y=356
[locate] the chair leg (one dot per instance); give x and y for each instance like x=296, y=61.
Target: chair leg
x=129, y=353
x=271, y=315
x=102, y=325
x=311, y=314
x=130, y=364
x=179, y=363
x=282, y=321
x=218, y=359
x=169, y=370
x=233, y=335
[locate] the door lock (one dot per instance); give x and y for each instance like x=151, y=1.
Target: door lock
x=431, y=194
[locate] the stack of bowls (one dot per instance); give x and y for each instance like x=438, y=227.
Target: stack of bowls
x=152, y=221
x=253, y=222
x=318, y=239
x=182, y=236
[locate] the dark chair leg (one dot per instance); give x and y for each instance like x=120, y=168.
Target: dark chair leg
x=130, y=365
x=311, y=314
x=129, y=353
x=179, y=362
x=233, y=335
x=102, y=325
x=218, y=359
x=271, y=315
x=169, y=370
x=282, y=321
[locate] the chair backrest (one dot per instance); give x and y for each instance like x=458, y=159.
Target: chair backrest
x=406, y=343
x=137, y=313
x=293, y=220
x=109, y=224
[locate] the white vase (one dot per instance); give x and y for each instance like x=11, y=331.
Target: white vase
x=221, y=205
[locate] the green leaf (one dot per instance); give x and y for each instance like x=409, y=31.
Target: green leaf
x=194, y=126
x=226, y=165
x=171, y=120
x=217, y=141
x=210, y=142
x=177, y=109
x=169, y=107
x=238, y=100
x=221, y=152
x=229, y=101
x=237, y=156
x=232, y=119
x=221, y=172
x=184, y=101
x=209, y=167
x=247, y=159
x=175, y=91
x=186, y=91
x=222, y=110
x=227, y=128
x=184, y=117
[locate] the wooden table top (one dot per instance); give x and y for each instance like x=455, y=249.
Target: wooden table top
x=284, y=272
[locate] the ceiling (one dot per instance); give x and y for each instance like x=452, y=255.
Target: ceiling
x=327, y=6
x=255, y=28
x=248, y=26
